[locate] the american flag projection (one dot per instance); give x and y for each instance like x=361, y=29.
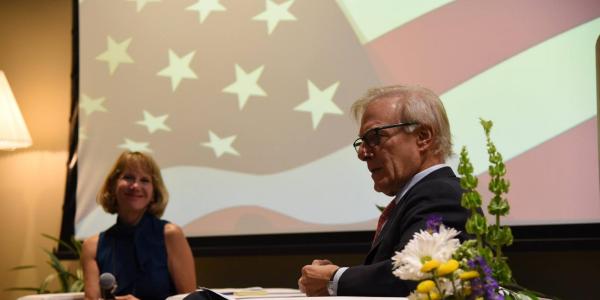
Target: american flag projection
x=245, y=104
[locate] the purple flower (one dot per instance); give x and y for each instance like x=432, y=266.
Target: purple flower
x=486, y=286
x=476, y=288
x=433, y=223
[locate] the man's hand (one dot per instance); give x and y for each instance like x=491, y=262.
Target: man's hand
x=315, y=277
x=127, y=297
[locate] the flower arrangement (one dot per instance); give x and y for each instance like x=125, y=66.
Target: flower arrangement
x=475, y=269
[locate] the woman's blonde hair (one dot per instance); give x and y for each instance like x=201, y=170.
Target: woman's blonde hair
x=106, y=196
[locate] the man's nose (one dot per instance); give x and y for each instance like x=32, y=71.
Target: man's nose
x=363, y=153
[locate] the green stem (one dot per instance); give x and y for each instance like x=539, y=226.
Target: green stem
x=455, y=292
x=437, y=286
x=498, y=247
x=479, y=235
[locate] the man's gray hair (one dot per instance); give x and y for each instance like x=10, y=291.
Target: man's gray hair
x=416, y=104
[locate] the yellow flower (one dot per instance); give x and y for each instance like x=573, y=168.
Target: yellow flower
x=425, y=286
x=447, y=268
x=467, y=290
x=430, y=265
x=434, y=296
x=468, y=275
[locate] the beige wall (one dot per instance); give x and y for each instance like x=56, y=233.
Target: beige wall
x=35, y=54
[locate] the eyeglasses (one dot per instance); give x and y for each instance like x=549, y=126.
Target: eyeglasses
x=372, y=137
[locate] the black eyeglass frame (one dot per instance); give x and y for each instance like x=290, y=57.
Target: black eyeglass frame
x=372, y=137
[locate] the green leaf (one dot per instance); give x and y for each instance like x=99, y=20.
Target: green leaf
x=530, y=295
x=54, y=262
x=498, y=207
x=507, y=234
x=76, y=286
x=69, y=281
x=79, y=274
x=77, y=244
x=476, y=224
x=60, y=270
x=44, y=286
x=23, y=267
x=35, y=289
x=487, y=125
x=486, y=253
x=468, y=181
x=494, y=236
x=65, y=244
x=470, y=200
x=501, y=271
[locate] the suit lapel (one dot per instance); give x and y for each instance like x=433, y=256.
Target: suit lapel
x=395, y=214
x=384, y=232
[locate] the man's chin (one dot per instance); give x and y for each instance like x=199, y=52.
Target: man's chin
x=384, y=190
x=378, y=188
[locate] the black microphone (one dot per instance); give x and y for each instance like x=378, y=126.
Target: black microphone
x=108, y=284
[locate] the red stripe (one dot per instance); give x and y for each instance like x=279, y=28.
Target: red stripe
x=460, y=40
x=565, y=188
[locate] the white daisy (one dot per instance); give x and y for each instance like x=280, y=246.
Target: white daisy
x=422, y=247
x=417, y=296
x=446, y=286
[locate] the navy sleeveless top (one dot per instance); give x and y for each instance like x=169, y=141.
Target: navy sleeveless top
x=137, y=257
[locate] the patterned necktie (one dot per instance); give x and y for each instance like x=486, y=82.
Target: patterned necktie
x=385, y=214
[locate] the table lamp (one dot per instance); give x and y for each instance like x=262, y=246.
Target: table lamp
x=13, y=131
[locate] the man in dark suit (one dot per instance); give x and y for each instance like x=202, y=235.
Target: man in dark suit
x=404, y=138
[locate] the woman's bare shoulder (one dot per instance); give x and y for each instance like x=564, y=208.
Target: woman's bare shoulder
x=89, y=245
x=173, y=231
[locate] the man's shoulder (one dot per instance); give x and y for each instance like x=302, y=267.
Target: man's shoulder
x=438, y=188
x=444, y=172
x=441, y=180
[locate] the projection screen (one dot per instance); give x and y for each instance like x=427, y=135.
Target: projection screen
x=245, y=104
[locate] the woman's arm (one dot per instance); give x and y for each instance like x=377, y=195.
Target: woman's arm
x=91, y=274
x=181, y=260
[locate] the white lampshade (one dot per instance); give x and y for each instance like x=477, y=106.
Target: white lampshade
x=13, y=131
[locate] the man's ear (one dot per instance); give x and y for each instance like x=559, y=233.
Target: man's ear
x=424, y=137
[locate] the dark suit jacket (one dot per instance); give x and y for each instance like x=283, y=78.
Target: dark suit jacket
x=437, y=193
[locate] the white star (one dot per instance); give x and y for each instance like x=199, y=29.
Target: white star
x=134, y=146
x=90, y=105
x=205, y=7
x=141, y=3
x=154, y=123
x=178, y=68
x=245, y=85
x=221, y=146
x=274, y=13
x=319, y=103
x=115, y=54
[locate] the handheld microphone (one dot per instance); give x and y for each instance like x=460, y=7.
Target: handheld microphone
x=108, y=284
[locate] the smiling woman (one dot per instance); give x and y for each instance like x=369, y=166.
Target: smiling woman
x=134, y=194
x=133, y=185
x=135, y=191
